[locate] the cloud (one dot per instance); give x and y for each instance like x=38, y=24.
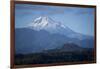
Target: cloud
x=56, y=12
x=29, y=7
x=26, y=9
x=84, y=11
x=44, y=10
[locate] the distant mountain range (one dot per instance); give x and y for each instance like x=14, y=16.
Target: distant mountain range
x=46, y=34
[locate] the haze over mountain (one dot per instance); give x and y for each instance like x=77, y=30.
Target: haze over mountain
x=44, y=33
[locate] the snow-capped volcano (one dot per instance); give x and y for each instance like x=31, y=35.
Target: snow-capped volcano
x=54, y=27
x=50, y=25
x=45, y=23
x=45, y=33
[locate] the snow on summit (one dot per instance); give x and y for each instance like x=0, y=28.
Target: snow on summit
x=45, y=22
x=52, y=26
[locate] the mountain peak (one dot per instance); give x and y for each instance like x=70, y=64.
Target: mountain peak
x=50, y=25
x=40, y=18
x=44, y=22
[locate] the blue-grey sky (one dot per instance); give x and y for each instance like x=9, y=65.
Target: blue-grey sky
x=79, y=19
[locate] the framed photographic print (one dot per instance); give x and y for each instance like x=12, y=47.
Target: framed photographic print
x=48, y=34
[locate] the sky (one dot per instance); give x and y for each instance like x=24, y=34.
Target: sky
x=78, y=19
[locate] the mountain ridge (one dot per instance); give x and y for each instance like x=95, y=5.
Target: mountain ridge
x=52, y=26
x=29, y=40
x=45, y=33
